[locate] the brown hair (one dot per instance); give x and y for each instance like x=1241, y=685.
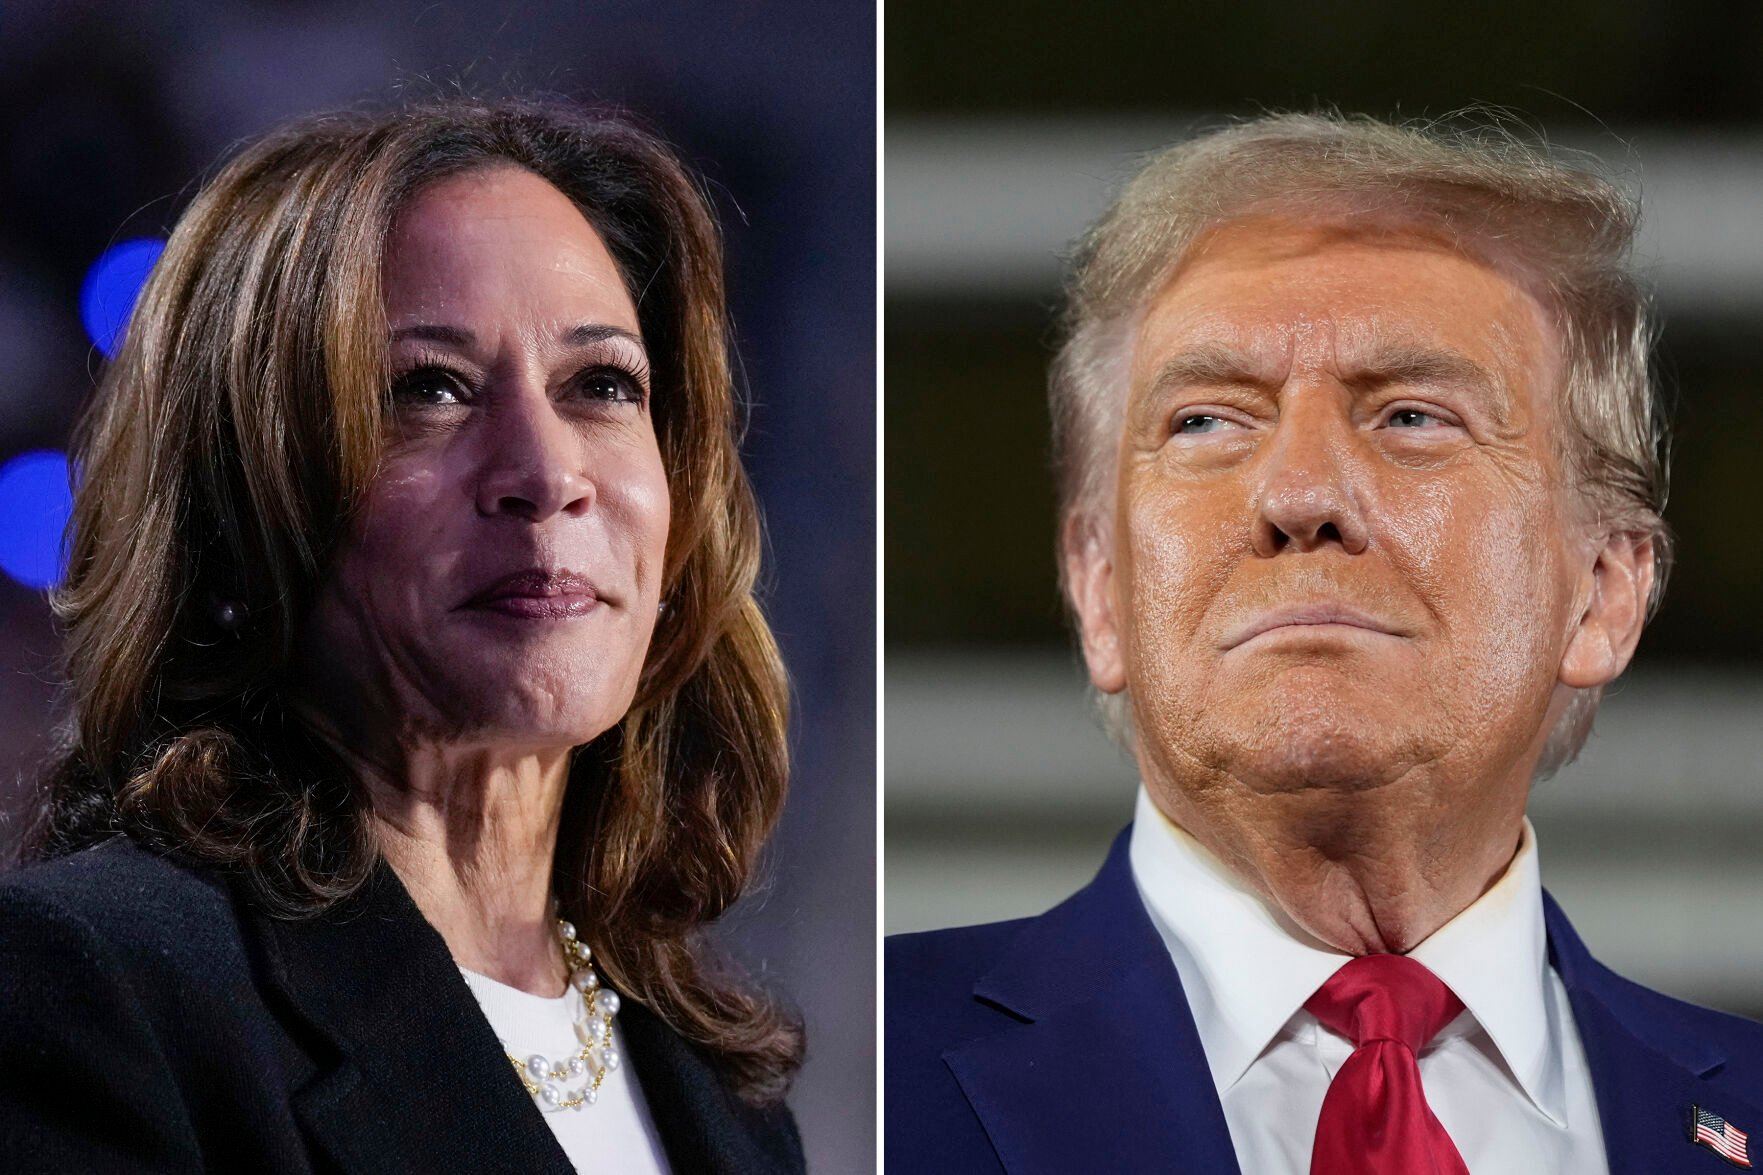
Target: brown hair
x=221, y=459
x=1568, y=230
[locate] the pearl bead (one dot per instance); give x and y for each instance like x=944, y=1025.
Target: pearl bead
x=537, y=1067
x=552, y=1094
x=607, y=1003
x=592, y=1097
x=578, y=1068
x=567, y=929
x=610, y=1059
x=582, y=979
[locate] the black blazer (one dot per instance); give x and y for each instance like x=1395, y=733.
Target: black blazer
x=151, y=1019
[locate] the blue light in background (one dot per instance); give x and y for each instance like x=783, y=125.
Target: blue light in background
x=107, y=296
x=34, y=505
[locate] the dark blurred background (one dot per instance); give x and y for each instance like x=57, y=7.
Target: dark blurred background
x=111, y=113
x=1008, y=127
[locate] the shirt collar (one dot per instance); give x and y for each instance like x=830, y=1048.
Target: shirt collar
x=1247, y=968
x=1510, y=999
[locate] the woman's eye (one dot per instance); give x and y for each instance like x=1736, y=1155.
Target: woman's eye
x=611, y=384
x=427, y=385
x=1200, y=422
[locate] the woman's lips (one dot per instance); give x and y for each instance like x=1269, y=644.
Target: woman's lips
x=538, y=593
x=555, y=607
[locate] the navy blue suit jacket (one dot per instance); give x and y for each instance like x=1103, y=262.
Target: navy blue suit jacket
x=1064, y=1044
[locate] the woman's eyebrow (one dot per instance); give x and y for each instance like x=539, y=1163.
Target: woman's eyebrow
x=453, y=336
x=458, y=336
x=596, y=332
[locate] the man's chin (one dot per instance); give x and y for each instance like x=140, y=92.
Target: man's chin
x=1345, y=750
x=1317, y=726
x=1320, y=765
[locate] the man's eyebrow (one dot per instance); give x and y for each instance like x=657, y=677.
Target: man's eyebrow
x=458, y=336
x=1410, y=363
x=1209, y=365
x=1217, y=365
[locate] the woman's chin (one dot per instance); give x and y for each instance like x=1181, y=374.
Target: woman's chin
x=534, y=724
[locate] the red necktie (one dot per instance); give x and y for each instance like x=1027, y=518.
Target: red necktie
x=1375, y=1120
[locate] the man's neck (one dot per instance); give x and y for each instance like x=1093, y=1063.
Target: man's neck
x=1365, y=872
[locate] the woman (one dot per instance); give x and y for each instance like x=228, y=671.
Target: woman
x=422, y=712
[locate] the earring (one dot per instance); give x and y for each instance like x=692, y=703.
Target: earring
x=229, y=615
x=661, y=608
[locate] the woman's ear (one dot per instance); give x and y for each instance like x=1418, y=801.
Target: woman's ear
x=1089, y=578
x=1615, y=588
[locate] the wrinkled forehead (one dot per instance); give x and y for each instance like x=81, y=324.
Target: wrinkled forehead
x=1269, y=296
x=1282, y=293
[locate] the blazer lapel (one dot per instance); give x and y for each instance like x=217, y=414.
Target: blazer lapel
x=703, y=1127
x=1645, y=1072
x=1096, y=1064
x=410, y=1074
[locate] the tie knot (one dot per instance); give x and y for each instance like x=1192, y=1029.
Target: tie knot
x=1385, y=997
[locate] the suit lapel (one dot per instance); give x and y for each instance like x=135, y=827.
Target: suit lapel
x=1645, y=1072
x=1096, y=1064
x=411, y=1076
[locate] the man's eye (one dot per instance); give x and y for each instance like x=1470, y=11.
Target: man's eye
x=1414, y=418
x=1200, y=422
x=427, y=385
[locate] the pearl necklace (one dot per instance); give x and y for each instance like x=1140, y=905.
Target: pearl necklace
x=543, y=1077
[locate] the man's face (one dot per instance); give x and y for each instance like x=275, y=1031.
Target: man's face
x=1343, y=548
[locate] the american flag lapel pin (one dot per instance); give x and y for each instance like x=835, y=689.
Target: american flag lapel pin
x=1720, y=1136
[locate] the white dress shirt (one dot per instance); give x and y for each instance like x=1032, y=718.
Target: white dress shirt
x=616, y=1132
x=1507, y=1078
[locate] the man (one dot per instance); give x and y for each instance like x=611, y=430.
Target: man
x=1361, y=478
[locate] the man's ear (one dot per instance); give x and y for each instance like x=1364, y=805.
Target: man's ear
x=1089, y=575
x=1615, y=589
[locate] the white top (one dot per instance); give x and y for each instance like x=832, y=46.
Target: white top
x=616, y=1132
x=1507, y=1078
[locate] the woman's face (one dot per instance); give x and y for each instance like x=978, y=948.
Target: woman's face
x=500, y=586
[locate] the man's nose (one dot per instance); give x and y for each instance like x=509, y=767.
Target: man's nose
x=533, y=464
x=1311, y=489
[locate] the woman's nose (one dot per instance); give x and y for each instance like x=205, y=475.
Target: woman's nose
x=533, y=459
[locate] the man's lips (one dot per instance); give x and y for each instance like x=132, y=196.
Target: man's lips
x=1307, y=616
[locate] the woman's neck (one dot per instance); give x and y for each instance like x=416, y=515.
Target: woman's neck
x=472, y=834
x=484, y=884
